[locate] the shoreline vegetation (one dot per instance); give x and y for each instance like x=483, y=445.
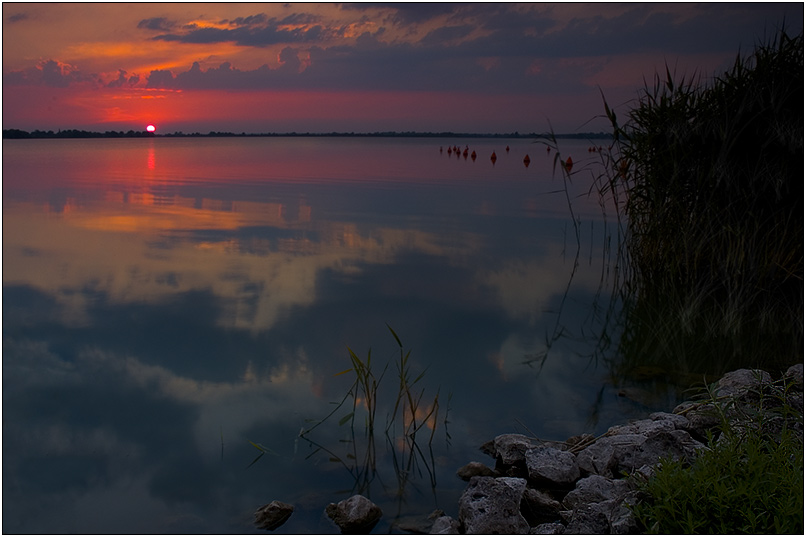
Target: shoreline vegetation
x=707, y=180
x=17, y=134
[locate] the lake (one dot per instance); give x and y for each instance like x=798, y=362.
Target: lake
x=177, y=310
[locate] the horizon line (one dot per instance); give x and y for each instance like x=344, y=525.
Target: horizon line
x=78, y=133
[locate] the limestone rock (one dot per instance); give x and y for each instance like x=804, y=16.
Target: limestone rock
x=610, y=456
x=680, y=422
x=610, y=516
x=552, y=467
x=548, y=528
x=356, y=514
x=273, y=515
x=473, y=469
x=510, y=449
x=492, y=505
x=445, y=525
x=602, y=457
x=537, y=507
x=580, y=441
x=595, y=489
x=679, y=445
x=589, y=519
x=418, y=524
x=795, y=375
x=739, y=382
x=701, y=417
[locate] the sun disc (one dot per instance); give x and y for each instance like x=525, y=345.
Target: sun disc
x=151, y=128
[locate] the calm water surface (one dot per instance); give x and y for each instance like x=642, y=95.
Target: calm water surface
x=169, y=302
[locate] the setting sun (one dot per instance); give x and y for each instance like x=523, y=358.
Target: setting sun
x=151, y=128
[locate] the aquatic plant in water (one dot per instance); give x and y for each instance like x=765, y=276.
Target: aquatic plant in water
x=410, y=412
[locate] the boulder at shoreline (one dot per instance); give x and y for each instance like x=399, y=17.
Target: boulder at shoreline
x=586, y=485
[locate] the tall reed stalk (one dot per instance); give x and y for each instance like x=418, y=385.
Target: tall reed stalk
x=409, y=406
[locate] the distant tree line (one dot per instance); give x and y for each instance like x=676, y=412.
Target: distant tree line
x=74, y=133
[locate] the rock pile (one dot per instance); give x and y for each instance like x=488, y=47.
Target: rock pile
x=584, y=485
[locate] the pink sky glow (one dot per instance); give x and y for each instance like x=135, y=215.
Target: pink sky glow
x=488, y=67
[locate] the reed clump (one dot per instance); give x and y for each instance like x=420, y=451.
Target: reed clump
x=708, y=177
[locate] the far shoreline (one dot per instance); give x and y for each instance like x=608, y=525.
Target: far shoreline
x=18, y=134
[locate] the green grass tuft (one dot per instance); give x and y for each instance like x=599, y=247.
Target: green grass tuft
x=749, y=480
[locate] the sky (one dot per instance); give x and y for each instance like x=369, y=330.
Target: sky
x=359, y=67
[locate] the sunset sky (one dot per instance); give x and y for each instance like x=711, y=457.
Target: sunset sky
x=365, y=67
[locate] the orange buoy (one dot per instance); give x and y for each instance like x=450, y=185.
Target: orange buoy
x=568, y=164
x=526, y=161
x=507, y=149
x=473, y=156
x=493, y=158
x=548, y=149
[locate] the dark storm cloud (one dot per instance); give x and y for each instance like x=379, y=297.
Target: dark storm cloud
x=51, y=73
x=501, y=58
x=446, y=34
x=156, y=23
x=260, y=18
x=405, y=12
x=503, y=48
x=123, y=80
x=254, y=31
x=17, y=18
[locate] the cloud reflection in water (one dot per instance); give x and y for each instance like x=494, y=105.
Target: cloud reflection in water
x=151, y=318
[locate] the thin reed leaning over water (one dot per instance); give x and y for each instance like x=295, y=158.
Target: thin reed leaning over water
x=409, y=406
x=708, y=177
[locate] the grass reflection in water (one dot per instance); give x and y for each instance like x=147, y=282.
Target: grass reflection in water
x=412, y=416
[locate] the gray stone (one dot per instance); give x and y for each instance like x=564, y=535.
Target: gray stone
x=611, y=516
x=675, y=444
x=622, y=520
x=551, y=466
x=645, y=472
x=595, y=489
x=644, y=427
x=474, y=469
x=702, y=417
x=612, y=456
x=492, y=505
x=602, y=457
x=510, y=449
x=537, y=507
x=418, y=524
x=273, y=515
x=795, y=375
x=738, y=383
x=579, y=442
x=445, y=525
x=680, y=422
x=488, y=448
x=356, y=514
x=589, y=519
x=548, y=528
